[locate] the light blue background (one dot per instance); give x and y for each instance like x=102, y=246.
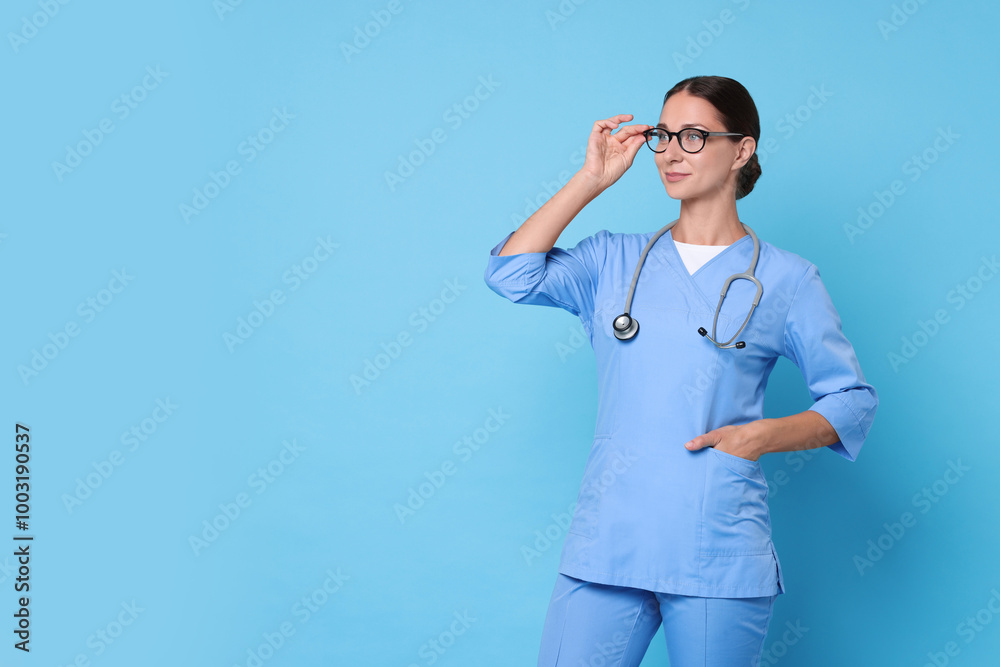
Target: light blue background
x=333, y=508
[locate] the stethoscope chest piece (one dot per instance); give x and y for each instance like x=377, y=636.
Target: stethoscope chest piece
x=625, y=327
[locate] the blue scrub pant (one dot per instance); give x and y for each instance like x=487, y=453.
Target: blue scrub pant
x=597, y=625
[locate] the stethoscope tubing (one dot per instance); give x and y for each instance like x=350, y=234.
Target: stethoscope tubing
x=630, y=327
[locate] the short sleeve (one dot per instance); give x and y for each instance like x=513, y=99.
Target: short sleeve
x=559, y=278
x=815, y=343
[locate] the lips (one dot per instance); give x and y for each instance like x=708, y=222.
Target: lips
x=675, y=176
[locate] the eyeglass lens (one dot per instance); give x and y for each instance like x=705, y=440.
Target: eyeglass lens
x=690, y=140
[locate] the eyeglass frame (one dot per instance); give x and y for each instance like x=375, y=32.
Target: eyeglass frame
x=705, y=134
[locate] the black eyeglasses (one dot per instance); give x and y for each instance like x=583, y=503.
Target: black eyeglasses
x=691, y=139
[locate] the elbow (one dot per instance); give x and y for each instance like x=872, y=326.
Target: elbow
x=507, y=289
x=513, y=280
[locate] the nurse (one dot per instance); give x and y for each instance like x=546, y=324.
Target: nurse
x=671, y=525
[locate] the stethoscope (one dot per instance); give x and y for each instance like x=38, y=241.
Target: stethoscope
x=626, y=326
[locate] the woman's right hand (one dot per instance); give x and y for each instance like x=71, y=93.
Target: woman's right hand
x=610, y=155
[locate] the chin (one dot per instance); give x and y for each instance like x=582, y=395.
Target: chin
x=672, y=189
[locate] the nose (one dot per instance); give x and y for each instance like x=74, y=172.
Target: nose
x=673, y=152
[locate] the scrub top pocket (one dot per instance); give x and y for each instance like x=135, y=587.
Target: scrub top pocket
x=736, y=520
x=737, y=463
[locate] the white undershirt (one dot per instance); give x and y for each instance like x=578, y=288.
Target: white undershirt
x=695, y=256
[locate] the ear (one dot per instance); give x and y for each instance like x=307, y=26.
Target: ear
x=746, y=149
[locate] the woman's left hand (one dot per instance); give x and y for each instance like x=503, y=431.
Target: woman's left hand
x=738, y=440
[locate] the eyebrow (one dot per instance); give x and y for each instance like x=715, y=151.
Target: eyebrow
x=664, y=125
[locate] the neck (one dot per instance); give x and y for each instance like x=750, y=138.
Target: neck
x=708, y=223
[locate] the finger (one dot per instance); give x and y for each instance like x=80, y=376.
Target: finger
x=605, y=126
x=631, y=130
x=698, y=442
x=634, y=145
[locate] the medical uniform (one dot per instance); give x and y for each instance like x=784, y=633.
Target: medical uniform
x=651, y=514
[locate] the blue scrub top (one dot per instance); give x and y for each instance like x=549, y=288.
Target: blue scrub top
x=651, y=514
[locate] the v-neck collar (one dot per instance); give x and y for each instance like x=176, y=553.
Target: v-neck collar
x=691, y=278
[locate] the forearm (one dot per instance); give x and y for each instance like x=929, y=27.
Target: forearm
x=540, y=232
x=805, y=430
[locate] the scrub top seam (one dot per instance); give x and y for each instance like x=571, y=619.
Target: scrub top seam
x=645, y=584
x=686, y=278
x=784, y=325
x=701, y=522
x=717, y=255
x=818, y=409
x=854, y=414
x=689, y=278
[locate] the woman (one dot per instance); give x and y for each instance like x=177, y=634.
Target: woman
x=671, y=524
